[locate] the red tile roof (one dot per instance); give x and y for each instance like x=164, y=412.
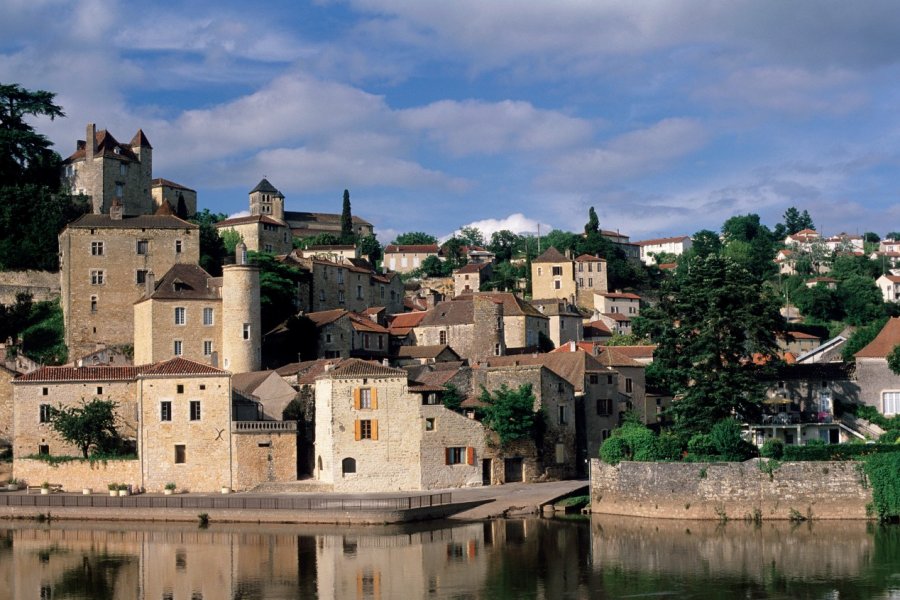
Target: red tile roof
x=550, y=255
x=884, y=342
x=668, y=240
x=174, y=366
x=589, y=258
x=249, y=219
x=412, y=248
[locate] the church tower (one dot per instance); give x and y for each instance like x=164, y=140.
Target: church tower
x=241, y=319
x=265, y=199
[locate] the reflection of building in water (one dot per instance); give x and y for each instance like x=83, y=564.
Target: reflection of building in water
x=738, y=549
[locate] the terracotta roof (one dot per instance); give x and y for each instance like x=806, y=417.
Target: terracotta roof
x=306, y=371
x=353, y=368
x=249, y=219
x=589, y=258
x=667, y=266
x=410, y=319
x=800, y=335
x=363, y=323
x=412, y=248
x=550, y=255
x=424, y=351
x=571, y=366
x=184, y=282
x=436, y=377
x=668, y=240
x=92, y=221
x=173, y=366
x=324, y=317
x=248, y=382
x=636, y=352
x=180, y=366
x=160, y=182
x=612, y=356
x=471, y=268
x=265, y=186
x=595, y=328
x=140, y=140
x=617, y=316
x=884, y=342
x=891, y=278
x=619, y=295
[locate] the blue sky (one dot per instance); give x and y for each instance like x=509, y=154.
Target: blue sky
x=667, y=117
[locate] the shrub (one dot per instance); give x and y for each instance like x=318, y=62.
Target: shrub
x=640, y=440
x=614, y=450
x=772, y=448
x=883, y=471
x=668, y=446
x=837, y=451
x=726, y=438
x=890, y=437
x=701, y=444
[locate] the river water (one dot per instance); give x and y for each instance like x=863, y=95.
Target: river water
x=604, y=557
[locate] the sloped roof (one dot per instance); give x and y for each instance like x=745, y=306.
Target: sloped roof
x=107, y=145
x=471, y=268
x=667, y=240
x=425, y=351
x=411, y=248
x=160, y=182
x=140, y=140
x=184, y=282
x=619, y=295
x=550, y=255
x=589, y=258
x=617, y=316
x=248, y=382
x=363, y=323
x=353, y=368
x=571, y=366
x=92, y=221
x=324, y=317
x=266, y=187
x=884, y=342
x=249, y=219
x=180, y=366
x=173, y=366
x=306, y=371
x=595, y=328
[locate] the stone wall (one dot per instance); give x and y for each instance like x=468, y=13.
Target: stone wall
x=155, y=330
x=875, y=378
x=263, y=455
x=75, y=475
x=6, y=407
x=42, y=285
x=818, y=490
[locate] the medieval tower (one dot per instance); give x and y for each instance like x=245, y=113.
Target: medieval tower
x=241, y=320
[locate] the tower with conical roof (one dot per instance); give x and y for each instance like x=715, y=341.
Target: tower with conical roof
x=266, y=200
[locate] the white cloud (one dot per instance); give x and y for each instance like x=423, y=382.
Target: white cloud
x=517, y=223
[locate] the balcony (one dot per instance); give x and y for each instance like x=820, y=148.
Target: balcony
x=263, y=426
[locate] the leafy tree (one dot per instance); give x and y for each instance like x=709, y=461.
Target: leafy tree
x=505, y=277
x=277, y=288
x=347, y=234
x=25, y=155
x=754, y=247
x=893, y=360
x=213, y=248
x=561, y=240
x=471, y=236
x=712, y=319
x=871, y=237
x=320, y=239
x=414, y=238
x=90, y=425
x=627, y=339
x=846, y=265
x=795, y=221
x=504, y=244
x=432, y=266
x=892, y=235
x=704, y=243
x=451, y=397
x=370, y=247
x=43, y=337
x=510, y=413
x=861, y=338
x=860, y=299
x=818, y=303
x=593, y=224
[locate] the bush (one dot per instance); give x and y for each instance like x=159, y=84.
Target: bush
x=726, y=438
x=668, y=447
x=631, y=441
x=701, y=444
x=614, y=450
x=890, y=437
x=883, y=471
x=837, y=452
x=772, y=448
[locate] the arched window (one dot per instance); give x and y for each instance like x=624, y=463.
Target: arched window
x=348, y=465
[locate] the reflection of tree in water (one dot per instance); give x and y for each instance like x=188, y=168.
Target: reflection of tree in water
x=95, y=578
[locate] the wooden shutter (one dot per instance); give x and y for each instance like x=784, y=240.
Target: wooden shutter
x=357, y=432
x=374, y=429
x=374, y=397
x=470, y=455
x=446, y=456
x=356, y=399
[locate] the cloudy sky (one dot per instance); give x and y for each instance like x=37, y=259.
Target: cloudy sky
x=667, y=117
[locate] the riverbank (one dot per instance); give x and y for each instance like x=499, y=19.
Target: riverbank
x=360, y=509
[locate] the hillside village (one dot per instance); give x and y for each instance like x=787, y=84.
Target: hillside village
x=289, y=348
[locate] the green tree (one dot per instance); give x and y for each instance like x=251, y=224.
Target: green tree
x=504, y=244
x=754, y=245
x=704, y=243
x=860, y=299
x=870, y=237
x=213, y=248
x=414, y=238
x=795, y=221
x=593, y=224
x=818, y=302
x=893, y=360
x=471, y=236
x=451, y=397
x=712, y=319
x=347, y=234
x=320, y=239
x=861, y=338
x=509, y=412
x=43, y=337
x=370, y=247
x=277, y=288
x=89, y=425
x=432, y=266
x=505, y=278
x=25, y=155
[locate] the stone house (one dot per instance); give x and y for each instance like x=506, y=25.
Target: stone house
x=619, y=323
x=183, y=200
x=421, y=355
x=677, y=245
x=206, y=319
x=348, y=286
x=623, y=242
x=617, y=302
x=402, y=328
x=889, y=285
x=797, y=342
x=176, y=413
x=373, y=435
x=786, y=259
x=554, y=275
x=469, y=278
x=878, y=385
x=405, y=258
x=565, y=321
x=110, y=172
x=267, y=390
x=6, y=406
x=333, y=253
x=596, y=331
x=343, y=334
x=104, y=263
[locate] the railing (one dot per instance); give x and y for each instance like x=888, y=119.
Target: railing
x=254, y=426
x=226, y=502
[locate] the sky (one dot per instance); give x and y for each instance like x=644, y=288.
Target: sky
x=667, y=117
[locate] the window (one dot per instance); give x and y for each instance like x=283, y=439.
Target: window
x=382, y=292
x=45, y=391
x=97, y=276
x=179, y=388
x=178, y=246
x=165, y=410
x=365, y=340
x=207, y=347
x=562, y=416
x=580, y=282
x=459, y=455
x=348, y=465
x=120, y=188
x=267, y=248
x=340, y=276
x=327, y=338
x=609, y=379
x=556, y=285
x=140, y=276
x=366, y=429
x=359, y=295
x=123, y=168
x=195, y=410
x=560, y=453
x=629, y=385
x=381, y=342
x=143, y=246
x=179, y=315
x=96, y=248
x=593, y=379
x=341, y=297
x=180, y=454
x=429, y=424
x=557, y=271
x=44, y=413
x=365, y=398
x=590, y=282
x=178, y=348
x=44, y=449
x=93, y=304
x=890, y=403
x=207, y=316
x=590, y=267
x=604, y=407
x=246, y=331
x=580, y=267
x=99, y=390
x=442, y=338
x=321, y=295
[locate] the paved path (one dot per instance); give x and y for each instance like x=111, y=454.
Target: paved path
x=513, y=498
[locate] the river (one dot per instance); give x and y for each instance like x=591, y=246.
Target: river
x=604, y=557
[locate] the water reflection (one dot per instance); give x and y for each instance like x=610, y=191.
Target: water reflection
x=531, y=558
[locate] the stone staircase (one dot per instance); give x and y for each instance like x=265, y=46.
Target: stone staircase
x=302, y=486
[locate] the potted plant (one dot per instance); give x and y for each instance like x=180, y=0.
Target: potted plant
x=113, y=489
x=123, y=489
x=12, y=485
x=170, y=488
x=45, y=488
x=87, y=491
x=226, y=489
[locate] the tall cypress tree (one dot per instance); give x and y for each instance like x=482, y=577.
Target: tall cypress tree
x=347, y=236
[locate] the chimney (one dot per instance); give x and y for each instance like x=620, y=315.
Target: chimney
x=150, y=282
x=116, y=209
x=572, y=346
x=90, y=141
x=385, y=363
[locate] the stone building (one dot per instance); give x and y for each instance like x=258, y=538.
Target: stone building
x=6, y=406
x=406, y=258
x=565, y=321
x=347, y=285
x=104, y=263
x=183, y=200
x=469, y=278
x=878, y=385
x=373, y=435
x=345, y=334
x=554, y=275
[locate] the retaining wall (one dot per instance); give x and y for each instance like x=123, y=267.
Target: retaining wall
x=818, y=490
x=78, y=474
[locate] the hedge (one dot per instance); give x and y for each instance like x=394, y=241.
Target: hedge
x=836, y=451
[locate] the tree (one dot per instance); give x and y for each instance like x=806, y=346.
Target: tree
x=892, y=235
x=213, y=248
x=415, y=238
x=861, y=338
x=510, y=413
x=861, y=300
x=504, y=244
x=277, y=288
x=593, y=224
x=704, y=243
x=432, y=266
x=25, y=155
x=795, y=221
x=893, y=360
x=320, y=239
x=451, y=397
x=870, y=237
x=347, y=234
x=370, y=247
x=818, y=303
x=712, y=322
x=471, y=236
x=90, y=425
x=754, y=247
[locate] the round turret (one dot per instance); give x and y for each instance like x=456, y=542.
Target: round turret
x=241, y=321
